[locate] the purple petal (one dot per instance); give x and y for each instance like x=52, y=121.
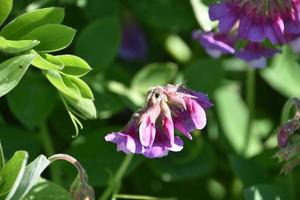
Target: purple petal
x=147, y=131
x=226, y=23
x=177, y=145
x=124, y=142
x=219, y=10
x=155, y=152
x=197, y=114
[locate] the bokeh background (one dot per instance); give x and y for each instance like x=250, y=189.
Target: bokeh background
x=132, y=45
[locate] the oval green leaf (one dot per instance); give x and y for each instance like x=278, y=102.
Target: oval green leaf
x=99, y=42
x=12, y=70
x=5, y=8
x=47, y=62
x=31, y=175
x=12, y=173
x=52, y=37
x=25, y=23
x=16, y=46
x=73, y=65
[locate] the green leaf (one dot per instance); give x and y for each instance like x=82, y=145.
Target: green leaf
x=152, y=75
x=196, y=160
x=11, y=174
x=73, y=65
x=204, y=75
x=5, y=8
x=32, y=113
x=267, y=192
x=16, y=46
x=52, y=37
x=31, y=175
x=83, y=107
x=25, y=23
x=71, y=86
x=12, y=70
x=76, y=92
x=27, y=141
x=2, y=160
x=172, y=14
x=99, y=42
x=282, y=75
x=45, y=190
x=47, y=62
x=233, y=115
x=244, y=170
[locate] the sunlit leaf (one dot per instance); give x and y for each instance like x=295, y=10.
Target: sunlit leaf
x=11, y=174
x=5, y=9
x=73, y=65
x=47, y=62
x=31, y=175
x=16, y=46
x=23, y=24
x=52, y=37
x=12, y=70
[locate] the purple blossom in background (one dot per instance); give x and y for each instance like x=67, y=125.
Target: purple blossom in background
x=151, y=130
x=253, y=21
x=134, y=45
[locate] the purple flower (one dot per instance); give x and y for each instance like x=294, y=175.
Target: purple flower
x=258, y=20
x=256, y=54
x=151, y=130
x=251, y=22
x=215, y=44
x=134, y=45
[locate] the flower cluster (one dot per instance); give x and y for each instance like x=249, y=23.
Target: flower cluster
x=151, y=129
x=246, y=26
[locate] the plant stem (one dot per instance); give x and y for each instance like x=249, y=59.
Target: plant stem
x=250, y=99
x=49, y=150
x=116, y=180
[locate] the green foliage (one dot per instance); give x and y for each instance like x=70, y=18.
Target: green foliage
x=152, y=75
x=41, y=30
x=12, y=70
x=23, y=24
x=32, y=113
x=16, y=46
x=5, y=9
x=98, y=43
x=12, y=173
x=47, y=191
x=52, y=37
x=46, y=88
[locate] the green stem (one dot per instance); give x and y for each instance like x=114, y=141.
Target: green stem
x=115, y=182
x=286, y=110
x=250, y=99
x=49, y=150
x=285, y=116
x=139, y=197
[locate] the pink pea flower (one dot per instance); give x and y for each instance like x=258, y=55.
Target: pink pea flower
x=151, y=130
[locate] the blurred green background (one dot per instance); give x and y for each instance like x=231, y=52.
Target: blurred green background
x=217, y=164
